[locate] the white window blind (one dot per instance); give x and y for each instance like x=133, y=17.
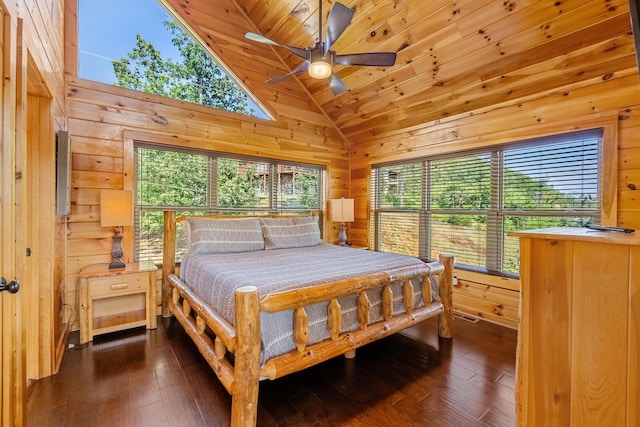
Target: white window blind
x=549, y=184
x=166, y=180
x=460, y=200
x=199, y=182
x=299, y=187
x=466, y=203
x=398, y=202
x=241, y=186
x=552, y=176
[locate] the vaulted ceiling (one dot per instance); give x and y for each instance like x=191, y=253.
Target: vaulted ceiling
x=453, y=57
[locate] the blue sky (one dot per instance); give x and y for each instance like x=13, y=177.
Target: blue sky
x=107, y=31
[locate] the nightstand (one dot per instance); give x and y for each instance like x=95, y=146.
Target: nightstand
x=113, y=300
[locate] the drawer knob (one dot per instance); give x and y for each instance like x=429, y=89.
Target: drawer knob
x=119, y=286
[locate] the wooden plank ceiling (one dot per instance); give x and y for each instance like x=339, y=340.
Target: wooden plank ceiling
x=453, y=56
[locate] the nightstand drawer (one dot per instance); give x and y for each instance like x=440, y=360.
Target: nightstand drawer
x=108, y=285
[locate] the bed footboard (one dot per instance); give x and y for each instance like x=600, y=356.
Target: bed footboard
x=347, y=342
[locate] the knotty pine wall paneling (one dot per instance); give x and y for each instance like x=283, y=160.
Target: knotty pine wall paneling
x=610, y=102
x=104, y=122
x=628, y=184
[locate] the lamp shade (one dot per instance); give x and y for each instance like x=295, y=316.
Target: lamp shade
x=342, y=210
x=116, y=208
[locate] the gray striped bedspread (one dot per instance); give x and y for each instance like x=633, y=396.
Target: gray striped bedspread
x=215, y=277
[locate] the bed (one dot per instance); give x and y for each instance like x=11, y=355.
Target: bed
x=265, y=297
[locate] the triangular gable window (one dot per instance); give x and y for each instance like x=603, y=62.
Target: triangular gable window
x=137, y=45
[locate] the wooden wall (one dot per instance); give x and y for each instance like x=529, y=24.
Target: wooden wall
x=104, y=121
x=613, y=103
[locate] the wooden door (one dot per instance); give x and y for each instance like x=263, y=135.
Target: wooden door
x=12, y=220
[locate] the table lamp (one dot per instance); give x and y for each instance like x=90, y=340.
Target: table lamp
x=116, y=210
x=342, y=211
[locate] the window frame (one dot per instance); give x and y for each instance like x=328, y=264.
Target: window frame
x=607, y=167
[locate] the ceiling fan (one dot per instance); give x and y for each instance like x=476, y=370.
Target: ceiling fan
x=320, y=59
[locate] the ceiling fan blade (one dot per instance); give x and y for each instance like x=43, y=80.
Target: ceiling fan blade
x=302, y=53
x=339, y=19
x=376, y=59
x=301, y=68
x=336, y=84
x=260, y=39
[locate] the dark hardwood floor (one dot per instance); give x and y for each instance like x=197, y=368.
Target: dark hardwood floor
x=158, y=378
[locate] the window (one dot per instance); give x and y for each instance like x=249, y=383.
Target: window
x=211, y=183
x=467, y=203
x=136, y=44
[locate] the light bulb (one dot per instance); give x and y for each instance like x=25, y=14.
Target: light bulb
x=319, y=69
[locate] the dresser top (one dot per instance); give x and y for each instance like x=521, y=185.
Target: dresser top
x=582, y=234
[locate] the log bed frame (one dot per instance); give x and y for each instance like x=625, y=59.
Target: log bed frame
x=215, y=337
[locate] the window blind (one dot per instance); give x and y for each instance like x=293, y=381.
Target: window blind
x=166, y=179
x=398, y=204
x=460, y=198
x=552, y=176
x=196, y=182
x=549, y=184
x=171, y=178
x=467, y=203
x=242, y=184
x=298, y=187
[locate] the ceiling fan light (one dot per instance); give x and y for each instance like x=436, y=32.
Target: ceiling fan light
x=320, y=69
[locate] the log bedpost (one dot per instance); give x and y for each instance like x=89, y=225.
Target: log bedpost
x=244, y=406
x=168, y=259
x=445, y=287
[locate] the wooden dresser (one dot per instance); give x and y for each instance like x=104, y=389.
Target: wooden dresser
x=578, y=361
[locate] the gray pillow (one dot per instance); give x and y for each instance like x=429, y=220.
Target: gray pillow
x=213, y=235
x=283, y=233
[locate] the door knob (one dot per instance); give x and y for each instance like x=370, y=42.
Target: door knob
x=13, y=286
